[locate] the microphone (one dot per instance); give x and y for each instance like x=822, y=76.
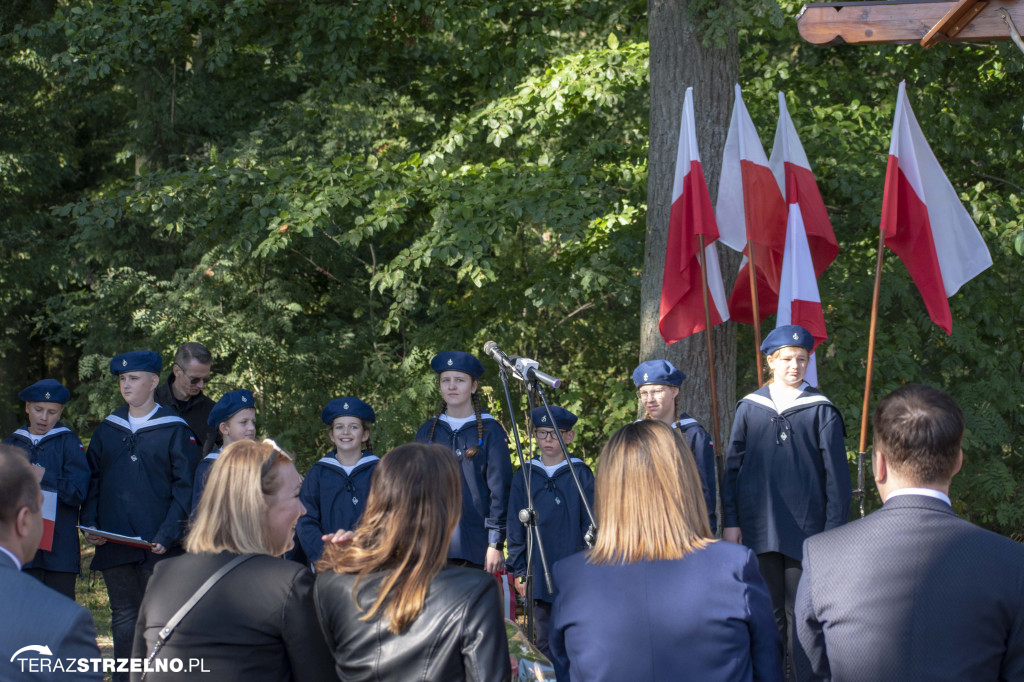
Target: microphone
x=528, y=368
x=491, y=348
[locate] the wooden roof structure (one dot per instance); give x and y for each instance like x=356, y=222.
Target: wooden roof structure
x=928, y=22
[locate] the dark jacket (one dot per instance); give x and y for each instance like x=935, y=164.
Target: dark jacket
x=334, y=500
x=459, y=634
x=195, y=411
x=704, y=617
x=257, y=624
x=910, y=592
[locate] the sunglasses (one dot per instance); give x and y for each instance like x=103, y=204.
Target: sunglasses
x=194, y=381
x=277, y=456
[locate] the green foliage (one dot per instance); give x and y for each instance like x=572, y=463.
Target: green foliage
x=329, y=193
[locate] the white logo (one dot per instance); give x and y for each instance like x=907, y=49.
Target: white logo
x=450, y=363
x=244, y=400
x=345, y=406
x=124, y=363
x=42, y=650
x=544, y=419
x=795, y=337
x=645, y=376
x=47, y=395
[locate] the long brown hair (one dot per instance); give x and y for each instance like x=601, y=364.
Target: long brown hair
x=232, y=512
x=649, y=504
x=414, y=505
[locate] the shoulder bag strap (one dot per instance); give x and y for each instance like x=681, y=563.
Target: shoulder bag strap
x=165, y=633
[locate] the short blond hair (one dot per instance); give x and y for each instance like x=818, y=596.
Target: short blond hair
x=649, y=504
x=232, y=511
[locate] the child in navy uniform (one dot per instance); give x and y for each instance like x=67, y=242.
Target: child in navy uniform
x=657, y=383
x=561, y=516
x=335, y=488
x=481, y=446
x=233, y=418
x=54, y=448
x=142, y=459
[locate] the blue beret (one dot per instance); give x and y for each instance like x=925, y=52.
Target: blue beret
x=45, y=391
x=787, y=335
x=136, y=361
x=347, y=407
x=564, y=419
x=230, y=403
x=457, y=361
x=657, y=372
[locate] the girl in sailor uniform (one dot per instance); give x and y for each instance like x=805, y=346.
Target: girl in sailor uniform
x=481, y=446
x=561, y=516
x=335, y=488
x=657, y=383
x=233, y=418
x=786, y=474
x=52, y=447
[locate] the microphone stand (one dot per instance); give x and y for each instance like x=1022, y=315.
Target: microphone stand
x=528, y=516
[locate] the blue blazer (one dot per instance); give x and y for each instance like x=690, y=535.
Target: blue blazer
x=34, y=614
x=911, y=592
x=333, y=499
x=707, y=617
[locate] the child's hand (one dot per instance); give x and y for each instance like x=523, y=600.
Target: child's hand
x=338, y=537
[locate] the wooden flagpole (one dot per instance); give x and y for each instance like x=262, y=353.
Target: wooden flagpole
x=756, y=311
x=861, y=492
x=719, y=453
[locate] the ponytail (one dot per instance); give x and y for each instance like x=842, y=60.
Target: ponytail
x=479, y=427
x=437, y=417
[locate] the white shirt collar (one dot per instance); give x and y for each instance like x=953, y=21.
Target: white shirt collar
x=927, y=492
x=15, y=559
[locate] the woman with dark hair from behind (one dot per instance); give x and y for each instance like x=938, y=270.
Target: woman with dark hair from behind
x=388, y=604
x=257, y=622
x=657, y=598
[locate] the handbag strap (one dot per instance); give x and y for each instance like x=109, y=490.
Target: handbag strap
x=165, y=633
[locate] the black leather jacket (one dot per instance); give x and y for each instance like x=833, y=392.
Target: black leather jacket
x=459, y=634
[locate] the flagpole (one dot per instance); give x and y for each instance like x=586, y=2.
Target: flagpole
x=861, y=492
x=719, y=457
x=756, y=312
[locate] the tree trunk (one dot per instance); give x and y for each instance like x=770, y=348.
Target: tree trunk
x=679, y=60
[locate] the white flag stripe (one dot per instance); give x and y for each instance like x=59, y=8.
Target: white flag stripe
x=715, y=286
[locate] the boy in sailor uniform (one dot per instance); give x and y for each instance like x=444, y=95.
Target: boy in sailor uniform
x=142, y=459
x=52, y=447
x=335, y=488
x=561, y=517
x=786, y=474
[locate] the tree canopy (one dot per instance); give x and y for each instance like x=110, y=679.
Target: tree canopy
x=326, y=194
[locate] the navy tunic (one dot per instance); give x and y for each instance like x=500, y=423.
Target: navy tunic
x=334, y=500
x=703, y=450
x=560, y=516
x=141, y=483
x=67, y=473
x=202, y=473
x=706, y=616
x=786, y=475
x=486, y=478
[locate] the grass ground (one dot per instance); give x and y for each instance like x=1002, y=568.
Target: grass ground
x=91, y=593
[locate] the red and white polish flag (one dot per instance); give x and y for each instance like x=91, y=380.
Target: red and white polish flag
x=810, y=241
x=750, y=206
x=682, y=298
x=923, y=220
x=49, y=519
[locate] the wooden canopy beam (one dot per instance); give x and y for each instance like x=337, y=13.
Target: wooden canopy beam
x=904, y=21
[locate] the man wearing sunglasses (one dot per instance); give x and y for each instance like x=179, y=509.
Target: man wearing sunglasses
x=183, y=390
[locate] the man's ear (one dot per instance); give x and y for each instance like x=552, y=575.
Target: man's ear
x=959, y=463
x=879, y=466
x=23, y=522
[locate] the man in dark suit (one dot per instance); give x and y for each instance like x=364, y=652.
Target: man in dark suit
x=34, y=616
x=912, y=592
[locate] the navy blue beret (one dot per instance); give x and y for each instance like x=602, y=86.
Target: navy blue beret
x=136, y=361
x=230, y=403
x=347, y=407
x=657, y=372
x=45, y=391
x=787, y=335
x=457, y=361
x=564, y=419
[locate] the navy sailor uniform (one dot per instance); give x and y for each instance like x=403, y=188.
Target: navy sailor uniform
x=486, y=478
x=67, y=473
x=334, y=499
x=141, y=483
x=202, y=473
x=560, y=516
x=786, y=475
x=703, y=449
